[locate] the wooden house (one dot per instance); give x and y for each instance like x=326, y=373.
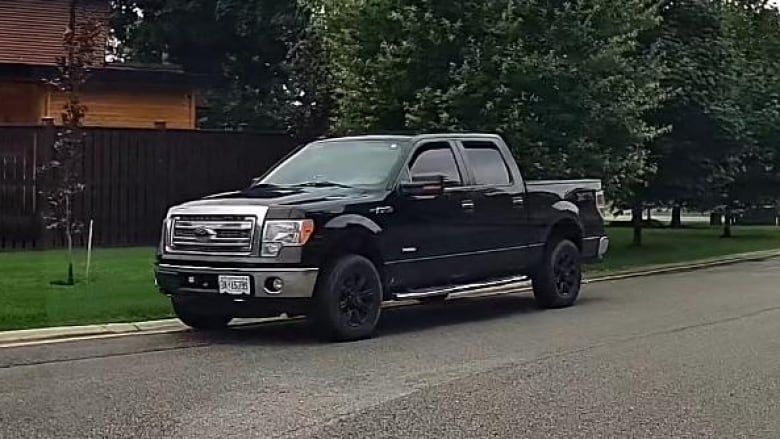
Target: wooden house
x=116, y=95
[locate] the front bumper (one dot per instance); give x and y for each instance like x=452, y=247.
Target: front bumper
x=175, y=279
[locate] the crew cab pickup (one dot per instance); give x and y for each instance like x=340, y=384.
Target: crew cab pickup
x=342, y=225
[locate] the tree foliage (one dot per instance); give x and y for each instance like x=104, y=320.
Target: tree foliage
x=567, y=83
x=754, y=27
x=720, y=149
x=671, y=102
x=253, y=58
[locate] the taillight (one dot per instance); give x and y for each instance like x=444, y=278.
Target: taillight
x=601, y=203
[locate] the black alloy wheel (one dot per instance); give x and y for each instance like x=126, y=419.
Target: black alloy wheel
x=348, y=299
x=357, y=296
x=558, y=280
x=567, y=272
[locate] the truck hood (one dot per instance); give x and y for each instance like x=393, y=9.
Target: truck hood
x=305, y=198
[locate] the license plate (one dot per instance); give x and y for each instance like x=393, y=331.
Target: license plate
x=234, y=285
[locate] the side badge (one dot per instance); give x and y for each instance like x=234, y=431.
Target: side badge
x=382, y=210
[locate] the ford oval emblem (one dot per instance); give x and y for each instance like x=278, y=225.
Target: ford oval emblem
x=204, y=234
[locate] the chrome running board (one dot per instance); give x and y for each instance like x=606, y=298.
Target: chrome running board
x=433, y=292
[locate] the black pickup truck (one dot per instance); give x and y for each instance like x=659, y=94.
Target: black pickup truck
x=342, y=225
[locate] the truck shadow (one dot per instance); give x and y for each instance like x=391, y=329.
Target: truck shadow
x=453, y=312
x=396, y=320
x=461, y=311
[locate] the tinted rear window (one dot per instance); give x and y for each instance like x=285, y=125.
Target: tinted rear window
x=487, y=164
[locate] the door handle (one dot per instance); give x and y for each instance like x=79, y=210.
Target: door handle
x=518, y=201
x=467, y=204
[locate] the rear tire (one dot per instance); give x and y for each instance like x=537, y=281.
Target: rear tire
x=197, y=317
x=558, y=281
x=348, y=300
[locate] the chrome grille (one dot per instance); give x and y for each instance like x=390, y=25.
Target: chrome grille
x=212, y=234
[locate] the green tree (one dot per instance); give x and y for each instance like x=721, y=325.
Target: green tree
x=252, y=57
x=696, y=156
x=720, y=151
x=567, y=83
x=754, y=27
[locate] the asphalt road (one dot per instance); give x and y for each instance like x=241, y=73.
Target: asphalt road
x=684, y=355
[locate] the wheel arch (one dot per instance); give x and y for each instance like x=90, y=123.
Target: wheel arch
x=346, y=221
x=356, y=239
x=567, y=227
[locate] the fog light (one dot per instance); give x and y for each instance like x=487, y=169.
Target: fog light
x=274, y=285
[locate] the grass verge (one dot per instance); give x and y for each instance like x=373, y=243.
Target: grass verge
x=121, y=287
x=666, y=246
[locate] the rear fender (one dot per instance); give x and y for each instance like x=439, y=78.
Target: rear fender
x=567, y=208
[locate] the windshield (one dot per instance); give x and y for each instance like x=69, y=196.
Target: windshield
x=338, y=163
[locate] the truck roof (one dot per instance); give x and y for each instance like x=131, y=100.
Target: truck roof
x=415, y=137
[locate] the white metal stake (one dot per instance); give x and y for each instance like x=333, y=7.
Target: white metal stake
x=89, y=248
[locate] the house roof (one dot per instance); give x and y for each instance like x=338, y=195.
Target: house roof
x=31, y=31
x=163, y=75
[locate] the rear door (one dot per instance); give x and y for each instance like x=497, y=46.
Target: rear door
x=434, y=236
x=500, y=215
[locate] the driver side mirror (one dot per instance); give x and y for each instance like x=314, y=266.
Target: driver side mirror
x=424, y=187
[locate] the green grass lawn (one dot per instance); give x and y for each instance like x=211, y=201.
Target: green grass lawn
x=663, y=246
x=121, y=287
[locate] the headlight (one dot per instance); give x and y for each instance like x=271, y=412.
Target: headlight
x=279, y=234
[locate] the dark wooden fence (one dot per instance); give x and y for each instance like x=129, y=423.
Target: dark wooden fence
x=132, y=177
x=20, y=224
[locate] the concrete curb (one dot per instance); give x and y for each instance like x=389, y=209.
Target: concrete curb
x=652, y=270
x=50, y=334
x=69, y=333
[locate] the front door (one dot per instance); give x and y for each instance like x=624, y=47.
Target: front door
x=431, y=238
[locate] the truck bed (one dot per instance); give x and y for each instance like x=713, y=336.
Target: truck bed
x=563, y=187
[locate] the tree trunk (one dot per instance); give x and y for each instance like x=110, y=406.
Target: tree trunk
x=716, y=219
x=727, y=224
x=676, y=217
x=649, y=214
x=636, y=219
x=69, y=237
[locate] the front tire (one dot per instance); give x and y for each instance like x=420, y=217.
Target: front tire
x=197, y=317
x=348, y=299
x=559, y=279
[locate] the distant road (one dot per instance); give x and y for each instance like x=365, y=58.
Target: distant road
x=683, y=355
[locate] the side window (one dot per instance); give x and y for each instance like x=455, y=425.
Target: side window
x=487, y=164
x=436, y=159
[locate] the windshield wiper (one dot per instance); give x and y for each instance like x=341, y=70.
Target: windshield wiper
x=267, y=186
